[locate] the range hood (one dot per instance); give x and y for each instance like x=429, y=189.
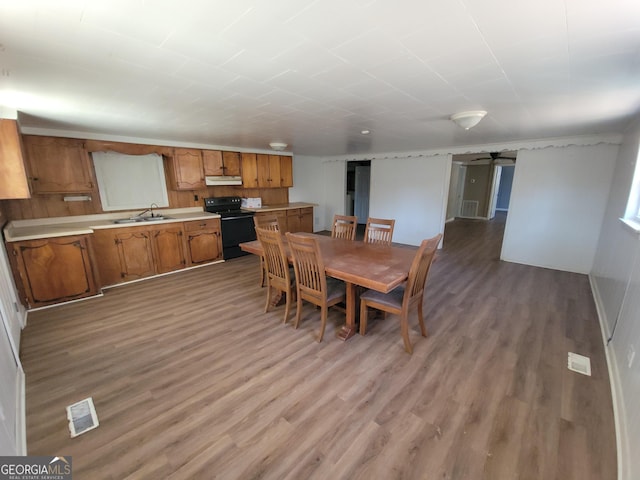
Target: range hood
x=223, y=180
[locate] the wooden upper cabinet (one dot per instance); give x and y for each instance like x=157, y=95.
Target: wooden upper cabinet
x=249, y=170
x=271, y=171
x=58, y=165
x=268, y=170
x=187, y=171
x=212, y=160
x=286, y=171
x=221, y=163
x=274, y=171
x=231, y=162
x=13, y=175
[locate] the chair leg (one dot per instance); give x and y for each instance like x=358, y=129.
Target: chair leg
x=323, y=322
x=266, y=305
x=404, y=327
x=423, y=329
x=363, y=317
x=298, y=311
x=262, y=271
x=287, y=306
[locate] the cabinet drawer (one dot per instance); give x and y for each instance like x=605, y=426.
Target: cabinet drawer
x=293, y=212
x=193, y=225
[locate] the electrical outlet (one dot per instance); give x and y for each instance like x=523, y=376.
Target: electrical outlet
x=631, y=355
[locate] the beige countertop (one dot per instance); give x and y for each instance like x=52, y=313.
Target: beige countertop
x=282, y=206
x=17, y=230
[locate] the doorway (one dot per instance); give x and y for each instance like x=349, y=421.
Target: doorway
x=358, y=189
x=480, y=185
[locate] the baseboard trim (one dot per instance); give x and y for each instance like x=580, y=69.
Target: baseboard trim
x=619, y=411
x=21, y=415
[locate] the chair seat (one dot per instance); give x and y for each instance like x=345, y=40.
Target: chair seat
x=392, y=299
x=335, y=289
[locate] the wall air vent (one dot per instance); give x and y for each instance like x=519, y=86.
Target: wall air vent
x=469, y=209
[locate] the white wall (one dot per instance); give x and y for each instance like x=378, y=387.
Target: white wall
x=616, y=282
x=323, y=182
x=414, y=192
x=558, y=202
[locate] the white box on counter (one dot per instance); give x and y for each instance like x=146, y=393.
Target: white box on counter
x=254, y=202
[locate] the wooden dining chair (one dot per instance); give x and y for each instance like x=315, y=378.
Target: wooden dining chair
x=400, y=300
x=344, y=227
x=379, y=230
x=277, y=267
x=312, y=283
x=270, y=223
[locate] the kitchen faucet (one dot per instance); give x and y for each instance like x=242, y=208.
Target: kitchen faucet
x=150, y=209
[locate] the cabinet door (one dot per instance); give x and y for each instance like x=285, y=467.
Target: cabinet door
x=54, y=270
x=204, y=246
x=168, y=248
x=187, y=169
x=58, y=165
x=293, y=220
x=105, y=246
x=231, y=161
x=13, y=176
x=281, y=215
x=135, y=253
x=263, y=170
x=274, y=171
x=212, y=162
x=204, y=242
x=306, y=219
x=286, y=171
x=249, y=170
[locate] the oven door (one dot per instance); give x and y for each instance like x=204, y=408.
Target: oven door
x=236, y=230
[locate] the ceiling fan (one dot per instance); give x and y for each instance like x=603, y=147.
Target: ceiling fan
x=495, y=157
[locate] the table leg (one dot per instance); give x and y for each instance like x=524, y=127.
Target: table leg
x=349, y=329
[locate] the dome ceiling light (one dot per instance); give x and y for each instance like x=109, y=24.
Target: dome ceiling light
x=468, y=119
x=278, y=146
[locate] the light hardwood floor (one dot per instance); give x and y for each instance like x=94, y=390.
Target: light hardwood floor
x=191, y=380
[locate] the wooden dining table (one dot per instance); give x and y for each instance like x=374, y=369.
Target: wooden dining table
x=373, y=266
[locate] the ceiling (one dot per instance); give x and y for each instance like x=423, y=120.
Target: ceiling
x=315, y=73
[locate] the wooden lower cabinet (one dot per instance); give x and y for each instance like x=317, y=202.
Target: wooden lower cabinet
x=203, y=241
x=54, y=270
x=292, y=219
x=135, y=255
x=130, y=253
x=168, y=247
x=300, y=220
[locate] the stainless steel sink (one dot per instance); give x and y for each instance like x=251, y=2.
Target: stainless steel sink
x=155, y=218
x=126, y=220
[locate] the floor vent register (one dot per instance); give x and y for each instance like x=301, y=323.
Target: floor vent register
x=82, y=417
x=579, y=363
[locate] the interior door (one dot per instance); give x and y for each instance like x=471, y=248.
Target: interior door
x=361, y=201
x=10, y=378
x=495, y=187
x=12, y=311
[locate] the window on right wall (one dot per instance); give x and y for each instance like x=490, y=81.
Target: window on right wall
x=632, y=212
